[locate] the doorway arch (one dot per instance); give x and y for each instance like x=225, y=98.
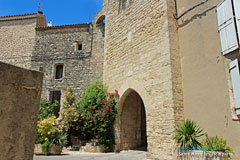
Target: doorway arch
x=132, y=122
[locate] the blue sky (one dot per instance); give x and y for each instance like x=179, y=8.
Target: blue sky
x=60, y=12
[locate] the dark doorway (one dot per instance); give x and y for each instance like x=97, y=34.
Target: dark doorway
x=55, y=96
x=133, y=123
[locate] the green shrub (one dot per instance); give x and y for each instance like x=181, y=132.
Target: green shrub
x=216, y=144
x=93, y=94
x=49, y=133
x=188, y=134
x=99, y=110
x=46, y=109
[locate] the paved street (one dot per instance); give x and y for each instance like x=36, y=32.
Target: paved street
x=125, y=155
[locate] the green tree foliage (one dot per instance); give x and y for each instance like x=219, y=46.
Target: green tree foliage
x=46, y=109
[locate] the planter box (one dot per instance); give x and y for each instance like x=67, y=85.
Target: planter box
x=89, y=147
x=53, y=150
x=201, y=155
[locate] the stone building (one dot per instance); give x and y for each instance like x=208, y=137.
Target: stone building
x=169, y=59
x=17, y=38
x=68, y=55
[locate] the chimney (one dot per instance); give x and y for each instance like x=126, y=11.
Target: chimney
x=49, y=24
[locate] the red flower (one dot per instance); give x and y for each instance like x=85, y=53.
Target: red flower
x=102, y=118
x=116, y=92
x=102, y=109
x=110, y=108
x=107, y=109
x=106, y=112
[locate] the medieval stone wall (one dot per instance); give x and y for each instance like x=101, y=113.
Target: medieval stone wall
x=17, y=38
x=57, y=45
x=141, y=53
x=17, y=41
x=20, y=92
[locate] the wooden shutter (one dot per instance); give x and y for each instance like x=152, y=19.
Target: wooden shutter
x=234, y=71
x=51, y=97
x=226, y=27
x=236, y=4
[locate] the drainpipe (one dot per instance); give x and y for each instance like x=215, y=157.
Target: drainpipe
x=91, y=39
x=176, y=8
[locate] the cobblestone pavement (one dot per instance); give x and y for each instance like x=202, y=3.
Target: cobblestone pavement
x=125, y=155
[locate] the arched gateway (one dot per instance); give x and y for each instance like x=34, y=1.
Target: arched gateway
x=131, y=122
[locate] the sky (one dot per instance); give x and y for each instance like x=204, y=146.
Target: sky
x=59, y=12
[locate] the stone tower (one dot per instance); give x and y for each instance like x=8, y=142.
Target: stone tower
x=142, y=62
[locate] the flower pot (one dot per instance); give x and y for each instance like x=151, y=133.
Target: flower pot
x=52, y=150
x=55, y=150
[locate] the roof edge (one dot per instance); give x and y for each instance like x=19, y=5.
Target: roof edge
x=20, y=16
x=81, y=25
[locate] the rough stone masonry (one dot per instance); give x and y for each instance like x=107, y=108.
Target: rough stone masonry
x=20, y=92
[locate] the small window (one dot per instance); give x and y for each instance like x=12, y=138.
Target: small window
x=124, y=4
x=59, y=71
x=78, y=46
x=41, y=69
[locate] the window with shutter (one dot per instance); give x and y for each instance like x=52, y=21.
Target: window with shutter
x=226, y=27
x=234, y=71
x=236, y=4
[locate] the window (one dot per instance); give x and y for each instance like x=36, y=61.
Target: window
x=101, y=24
x=124, y=4
x=59, y=71
x=41, y=69
x=78, y=46
x=55, y=96
x=229, y=25
x=234, y=72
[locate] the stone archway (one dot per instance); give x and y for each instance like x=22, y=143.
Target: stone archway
x=132, y=122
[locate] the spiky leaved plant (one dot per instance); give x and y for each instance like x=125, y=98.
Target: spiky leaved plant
x=188, y=134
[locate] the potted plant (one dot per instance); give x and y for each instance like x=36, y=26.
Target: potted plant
x=50, y=138
x=71, y=121
x=217, y=144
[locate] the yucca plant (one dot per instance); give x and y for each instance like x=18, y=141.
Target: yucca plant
x=188, y=134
